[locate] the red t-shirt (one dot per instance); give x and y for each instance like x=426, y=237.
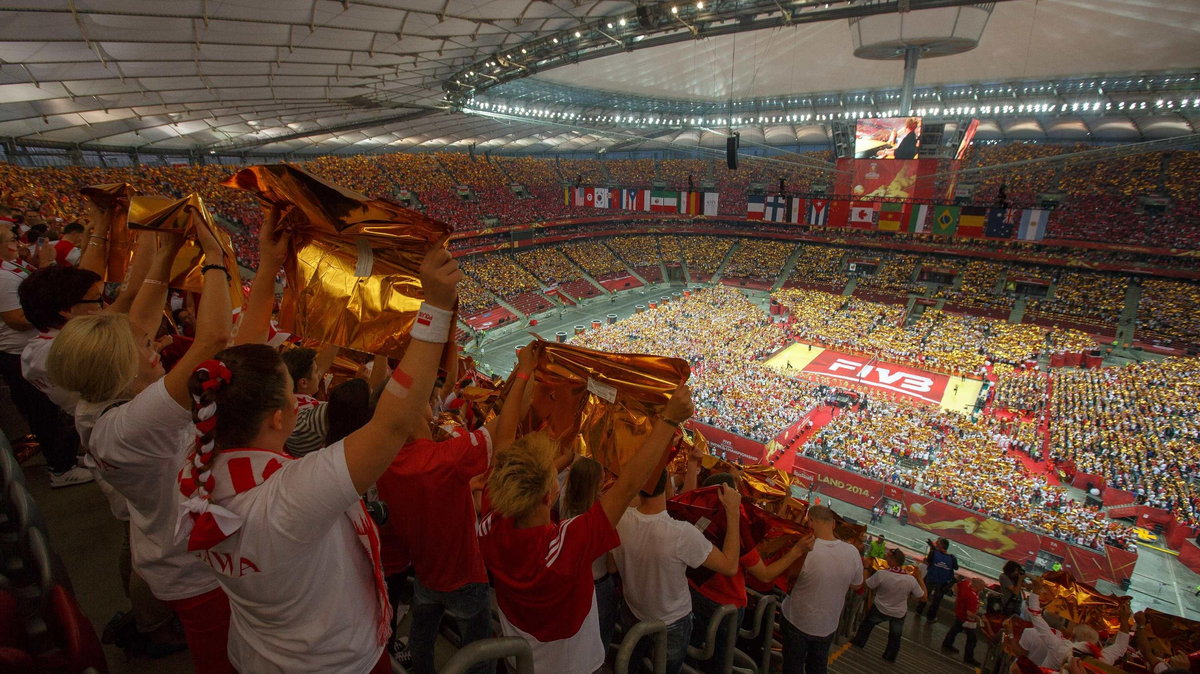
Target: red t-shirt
x=729, y=589
x=966, y=601
x=431, y=516
x=543, y=575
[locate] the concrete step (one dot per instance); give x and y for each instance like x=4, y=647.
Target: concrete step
x=915, y=657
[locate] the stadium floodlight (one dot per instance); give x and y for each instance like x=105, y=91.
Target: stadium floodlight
x=699, y=5
x=674, y=10
x=621, y=21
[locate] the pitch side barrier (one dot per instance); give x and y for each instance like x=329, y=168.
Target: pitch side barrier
x=969, y=528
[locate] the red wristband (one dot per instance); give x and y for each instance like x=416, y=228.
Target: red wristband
x=522, y=376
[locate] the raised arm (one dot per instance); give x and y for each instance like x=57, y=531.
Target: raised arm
x=272, y=247
x=143, y=255
x=638, y=469
x=146, y=312
x=725, y=561
x=213, y=319
x=503, y=428
x=378, y=376
x=95, y=250
x=370, y=449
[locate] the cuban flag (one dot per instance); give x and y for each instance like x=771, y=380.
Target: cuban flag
x=776, y=209
x=818, y=212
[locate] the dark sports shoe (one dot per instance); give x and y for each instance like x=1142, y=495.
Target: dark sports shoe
x=120, y=630
x=400, y=653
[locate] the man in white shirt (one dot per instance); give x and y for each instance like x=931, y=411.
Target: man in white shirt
x=655, y=553
x=813, y=608
x=892, y=586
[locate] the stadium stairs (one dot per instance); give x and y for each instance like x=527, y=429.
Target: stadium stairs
x=1127, y=321
x=1018, y=310
x=786, y=271
x=628, y=267
x=915, y=656
x=716, y=277
x=850, y=286
x=504, y=303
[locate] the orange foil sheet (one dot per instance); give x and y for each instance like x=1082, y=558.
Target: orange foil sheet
x=112, y=199
x=352, y=268
x=608, y=401
x=185, y=216
x=1081, y=603
x=879, y=564
x=1171, y=634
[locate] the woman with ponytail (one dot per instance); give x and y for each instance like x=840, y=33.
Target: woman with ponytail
x=136, y=423
x=289, y=538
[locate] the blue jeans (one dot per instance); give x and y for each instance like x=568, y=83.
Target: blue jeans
x=606, y=609
x=470, y=605
x=804, y=653
x=679, y=634
x=895, y=632
x=703, y=609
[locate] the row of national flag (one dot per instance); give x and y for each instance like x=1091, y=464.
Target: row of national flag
x=980, y=222
x=650, y=201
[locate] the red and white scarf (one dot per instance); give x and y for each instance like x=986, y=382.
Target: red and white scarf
x=204, y=524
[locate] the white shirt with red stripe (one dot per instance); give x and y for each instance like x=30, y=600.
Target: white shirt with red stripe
x=304, y=402
x=543, y=581
x=139, y=447
x=301, y=590
x=66, y=254
x=11, y=275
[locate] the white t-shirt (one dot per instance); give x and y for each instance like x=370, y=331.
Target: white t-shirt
x=653, y=558
x=301, y=588
x=11, y=275
x=139, y=447
x=814, y=605
x=892, y=590
x=33, y=368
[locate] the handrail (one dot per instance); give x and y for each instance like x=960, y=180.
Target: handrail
x=645, y=628
x=484, y=650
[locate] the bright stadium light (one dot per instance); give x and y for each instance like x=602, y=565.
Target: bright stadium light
x=622, y=21
x=674, y=10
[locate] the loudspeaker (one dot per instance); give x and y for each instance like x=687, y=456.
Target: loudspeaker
x=731, y=153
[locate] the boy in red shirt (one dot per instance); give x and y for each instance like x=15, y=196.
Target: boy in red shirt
x=541, y=571
x=966, y=617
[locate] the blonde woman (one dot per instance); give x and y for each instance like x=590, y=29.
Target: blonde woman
x=542, y=571
x=136, y=423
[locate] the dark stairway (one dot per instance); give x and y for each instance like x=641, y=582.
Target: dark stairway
x=920, y=652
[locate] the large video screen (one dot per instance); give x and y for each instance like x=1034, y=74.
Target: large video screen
x=888, y=138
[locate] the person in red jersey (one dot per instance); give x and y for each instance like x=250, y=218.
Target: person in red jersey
x=428, y=489
x=542, y=572
x=966, y=618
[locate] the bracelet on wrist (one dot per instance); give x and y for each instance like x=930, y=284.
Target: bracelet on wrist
x=522, y=376
x=210, y=267
x=672, y=422
x=153, y=282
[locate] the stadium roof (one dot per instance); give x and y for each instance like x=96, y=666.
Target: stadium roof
x=351, y=76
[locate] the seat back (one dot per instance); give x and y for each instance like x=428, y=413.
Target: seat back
x=73, y=632
x=655, y=629
x=485, y=650
x=10, y=468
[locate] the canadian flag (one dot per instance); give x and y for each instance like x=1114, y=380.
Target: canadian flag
x=862, y=213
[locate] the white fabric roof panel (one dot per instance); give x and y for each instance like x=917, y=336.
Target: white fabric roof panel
x=197, y=73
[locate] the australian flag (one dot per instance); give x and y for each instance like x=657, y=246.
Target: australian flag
x=1001, y=223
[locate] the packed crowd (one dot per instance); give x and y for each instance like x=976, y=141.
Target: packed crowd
x=1088, y=297
x=1137, y=426
x=549, y=265
x=732, y=389
x=936, y=340
x=1020, y=390
x=821, y=265
x=758, y=259
x=1167, y=311
x=895, y=275
x=595, y=258
x=500, y=274
x=962, y=461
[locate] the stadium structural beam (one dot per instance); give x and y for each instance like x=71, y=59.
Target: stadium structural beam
x=912, y=55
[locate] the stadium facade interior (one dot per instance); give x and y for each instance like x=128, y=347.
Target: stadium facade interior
x=935, y=263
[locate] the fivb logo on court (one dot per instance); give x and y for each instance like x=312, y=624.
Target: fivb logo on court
x=882, y=375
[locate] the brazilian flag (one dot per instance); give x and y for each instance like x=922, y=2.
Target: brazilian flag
x=945, y=220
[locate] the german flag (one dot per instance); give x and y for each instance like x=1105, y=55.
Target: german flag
x=971, y=222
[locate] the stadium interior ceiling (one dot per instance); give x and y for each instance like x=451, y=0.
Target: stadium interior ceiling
x=299, y=77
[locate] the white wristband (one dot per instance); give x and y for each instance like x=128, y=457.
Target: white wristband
x=432, y=324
